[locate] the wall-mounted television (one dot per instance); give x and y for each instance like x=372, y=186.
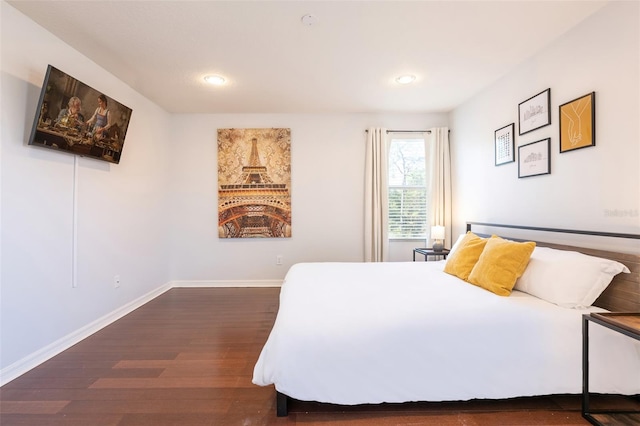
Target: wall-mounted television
x=75, y=118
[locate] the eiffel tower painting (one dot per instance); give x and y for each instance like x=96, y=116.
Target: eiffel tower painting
x=254, y=179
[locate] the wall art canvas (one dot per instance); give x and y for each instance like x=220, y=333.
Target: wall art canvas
x=578, y=123
x=254, y=183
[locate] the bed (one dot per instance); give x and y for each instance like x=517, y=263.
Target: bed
x=356, y=333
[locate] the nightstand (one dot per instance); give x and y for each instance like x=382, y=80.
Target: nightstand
x=428, y=251
x=624, y=323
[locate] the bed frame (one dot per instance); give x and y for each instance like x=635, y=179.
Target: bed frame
x=622, y=295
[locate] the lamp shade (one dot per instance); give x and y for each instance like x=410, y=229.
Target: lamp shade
x=437, y=232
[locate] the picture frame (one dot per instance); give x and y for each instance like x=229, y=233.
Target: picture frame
x=578, y=123
x=254, y=183
x=535, y=112
x=534, y=158
x=504, y=145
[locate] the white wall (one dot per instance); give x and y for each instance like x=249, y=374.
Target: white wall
x=587, y=186
x=327, y=187
x=121, y=209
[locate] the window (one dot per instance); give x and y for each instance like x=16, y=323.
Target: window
x=407, y=188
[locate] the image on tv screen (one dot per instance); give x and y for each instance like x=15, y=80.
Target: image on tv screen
x=75, y=118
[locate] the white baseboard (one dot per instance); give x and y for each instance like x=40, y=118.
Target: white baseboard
x=227, y=283
x=25, y=364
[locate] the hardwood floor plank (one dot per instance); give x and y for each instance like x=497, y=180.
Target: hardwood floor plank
x=32, y=407
x=57, y=362
x=74, y=358
x=44, y=373
x=70, y=394
x=180, y=382
x=166, y=406
x=28, y=382
x=209, y=394
x=61, y=420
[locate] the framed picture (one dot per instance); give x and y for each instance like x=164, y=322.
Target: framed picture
x=535, y=112
x=504, y=145
x=578, y=123
x=254, y=183
x=534, y=158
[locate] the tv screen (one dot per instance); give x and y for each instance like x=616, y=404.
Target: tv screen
x=75, y=118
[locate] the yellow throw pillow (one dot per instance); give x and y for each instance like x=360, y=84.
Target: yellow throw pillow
x=461, y=262
x=501, y=263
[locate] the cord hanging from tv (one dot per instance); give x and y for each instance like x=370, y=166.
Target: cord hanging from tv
x=75, y=118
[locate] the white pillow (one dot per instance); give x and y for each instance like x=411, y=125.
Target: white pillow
x=456, y=244
x=567, y=278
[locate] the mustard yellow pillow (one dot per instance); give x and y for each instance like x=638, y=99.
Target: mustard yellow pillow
x=501, y=263
x=461, y=261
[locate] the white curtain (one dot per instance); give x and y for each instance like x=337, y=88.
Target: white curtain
x=376, y=241
x=440, y=181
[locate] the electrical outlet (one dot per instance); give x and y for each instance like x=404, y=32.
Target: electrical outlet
x=116, y=281
x=279, y=259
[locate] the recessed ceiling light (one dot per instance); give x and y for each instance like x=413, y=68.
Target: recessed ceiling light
x=405, y=79
x=216, y=80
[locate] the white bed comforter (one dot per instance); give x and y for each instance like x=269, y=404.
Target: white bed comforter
x=352, y=333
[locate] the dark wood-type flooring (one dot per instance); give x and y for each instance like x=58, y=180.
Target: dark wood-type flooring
x=186, y=358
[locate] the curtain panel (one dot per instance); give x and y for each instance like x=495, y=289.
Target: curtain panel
x=376, y=214
x=440, y=180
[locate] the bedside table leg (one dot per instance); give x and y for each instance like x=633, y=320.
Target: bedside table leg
x=585, y=367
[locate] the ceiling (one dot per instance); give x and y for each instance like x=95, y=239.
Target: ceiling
x=274, y=63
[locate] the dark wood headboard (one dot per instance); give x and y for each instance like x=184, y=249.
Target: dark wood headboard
x=623, y=294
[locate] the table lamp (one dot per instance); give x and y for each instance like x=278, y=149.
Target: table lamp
x=437, y=235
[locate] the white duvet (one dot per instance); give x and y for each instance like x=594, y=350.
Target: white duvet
x=352, y=333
